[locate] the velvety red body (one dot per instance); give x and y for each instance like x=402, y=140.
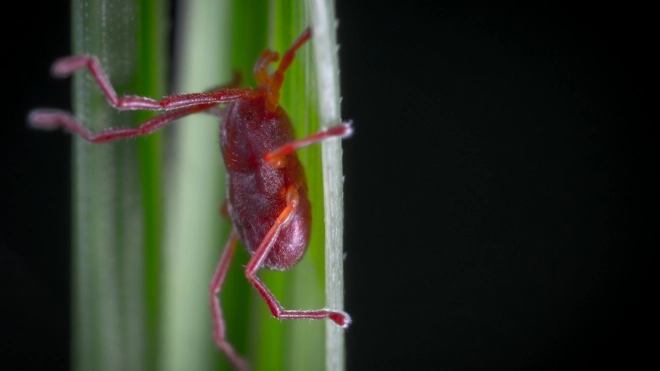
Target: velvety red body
x=257, y=190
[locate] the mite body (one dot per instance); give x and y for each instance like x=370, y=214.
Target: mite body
x=267, y=199
x=257, y=191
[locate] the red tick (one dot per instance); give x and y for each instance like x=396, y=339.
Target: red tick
x=267, y=199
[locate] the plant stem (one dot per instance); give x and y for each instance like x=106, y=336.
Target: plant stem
x=115, y=225
x=322, y=16
x=195, y=230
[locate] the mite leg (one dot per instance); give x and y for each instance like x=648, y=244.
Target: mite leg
x=233, y=84
x=277, y=158
x=224, y=93
x=275, y=84
x=219, y=329
x=50, y=119
x=260, y=70
x=339, y=317
x=66, y=66
x=218, y=111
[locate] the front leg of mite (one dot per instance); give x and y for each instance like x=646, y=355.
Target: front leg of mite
x=339, y=317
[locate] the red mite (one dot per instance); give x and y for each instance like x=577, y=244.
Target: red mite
x=267, y=198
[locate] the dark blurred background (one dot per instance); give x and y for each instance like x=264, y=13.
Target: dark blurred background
x=498, y=196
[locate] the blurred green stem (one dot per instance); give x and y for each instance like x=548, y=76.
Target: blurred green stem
x=116, y=190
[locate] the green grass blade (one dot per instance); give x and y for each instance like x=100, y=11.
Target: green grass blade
x=327, y=76
x=303, y=288
x=311, y=98
x=195, y=229
x=152, y=64
x=116, y=191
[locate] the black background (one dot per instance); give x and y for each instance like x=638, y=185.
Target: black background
x=498, y=192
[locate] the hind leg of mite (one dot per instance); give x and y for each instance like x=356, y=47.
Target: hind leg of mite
x=219, y=328
x=339, y=317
